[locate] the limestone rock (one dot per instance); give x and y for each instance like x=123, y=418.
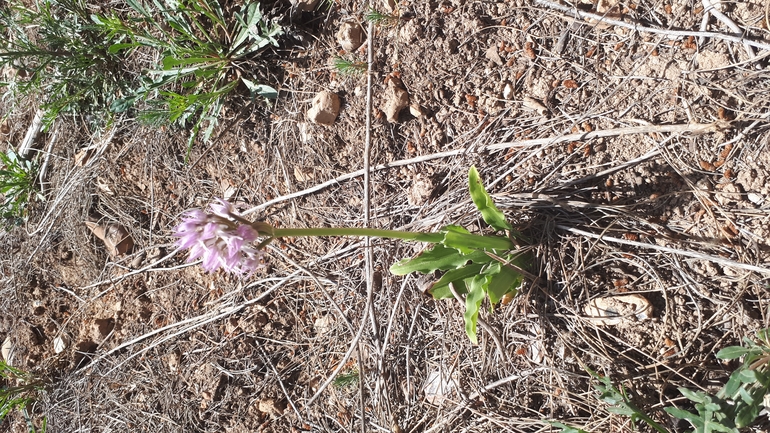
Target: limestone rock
x=7, y=350
x=350, y=36
x=396, y=99
x=615, y=310
x=60, y=343
x=325, y=108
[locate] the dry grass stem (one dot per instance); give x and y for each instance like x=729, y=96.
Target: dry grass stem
x=572, y=12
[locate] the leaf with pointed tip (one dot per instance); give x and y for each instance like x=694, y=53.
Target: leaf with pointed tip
x=437, y=258
x=685, y=415
x=565, y=428
x=476, y=294
x=732, y=352
x=468, y=242
x=483, y=202
x=505, y=281
x=746, y=415
x=260, y=89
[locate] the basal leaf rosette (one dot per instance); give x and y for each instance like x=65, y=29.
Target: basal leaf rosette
x=472, y=265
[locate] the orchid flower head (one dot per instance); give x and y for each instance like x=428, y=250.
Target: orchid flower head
x=220, y=238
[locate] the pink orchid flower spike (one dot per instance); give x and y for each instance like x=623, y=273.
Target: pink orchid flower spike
x=219, y=239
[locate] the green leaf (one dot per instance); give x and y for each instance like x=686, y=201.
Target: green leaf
x=685, y=415
x=565, y=428
x=746, y=415
x=260, y=89
x=437, y=258
x=502, y=281
x=171, y=62
x=730, y=390
x=732, y=352
x=247, y=19
x=137, y=6
x=748, y=376
x=476, y=294
x=621, y=410
x=115, y=48
x=440, y=289
x=483, y=202
x=467, y=242
x=122, y=104
x=697, y=397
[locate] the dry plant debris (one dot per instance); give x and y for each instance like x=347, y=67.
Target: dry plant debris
x=627, y=142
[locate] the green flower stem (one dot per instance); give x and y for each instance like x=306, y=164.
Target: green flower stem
x=474, y=241
x=353, y=231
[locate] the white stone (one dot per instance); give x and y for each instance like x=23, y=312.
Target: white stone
x=416, y=111
x=325, y=108
x=439, y=386
x=508, y=91
x=59, y=344
x=7, y=350
x=350, y=36
x=396, y=99
x=324, y=324
x=755, y=198
x=614, y=310
x=492, y=55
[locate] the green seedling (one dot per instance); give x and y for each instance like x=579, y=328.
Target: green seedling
x=620, y=403
x=77, y=61
x=53, y=51
x=565, y=428
x=205, y=54
x=18, y=187
x=381, y=18
x=479, y=266
x=344, y=380
x=740, y=400
x=349, y=67
x=17, y=392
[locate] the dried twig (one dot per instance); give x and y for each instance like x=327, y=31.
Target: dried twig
x=700, y=256
x=694, y=128
x=575, y=13
x=708, y=8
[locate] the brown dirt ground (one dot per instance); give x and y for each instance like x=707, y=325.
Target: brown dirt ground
x=156, y=345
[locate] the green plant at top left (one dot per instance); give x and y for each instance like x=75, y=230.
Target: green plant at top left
x=174, y=62
x=54, y=51
x=205, y=52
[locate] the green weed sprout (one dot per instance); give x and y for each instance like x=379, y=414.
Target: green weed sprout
x=349, y=67
x=620, y=403
x=479, y=266
x=565, y=428
x=344, y=380
x=57, y=53
x=204, y=56
x=18, y=186
x=735, y=406
x=20, y=395
x=740, y=400
x=382, y=19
